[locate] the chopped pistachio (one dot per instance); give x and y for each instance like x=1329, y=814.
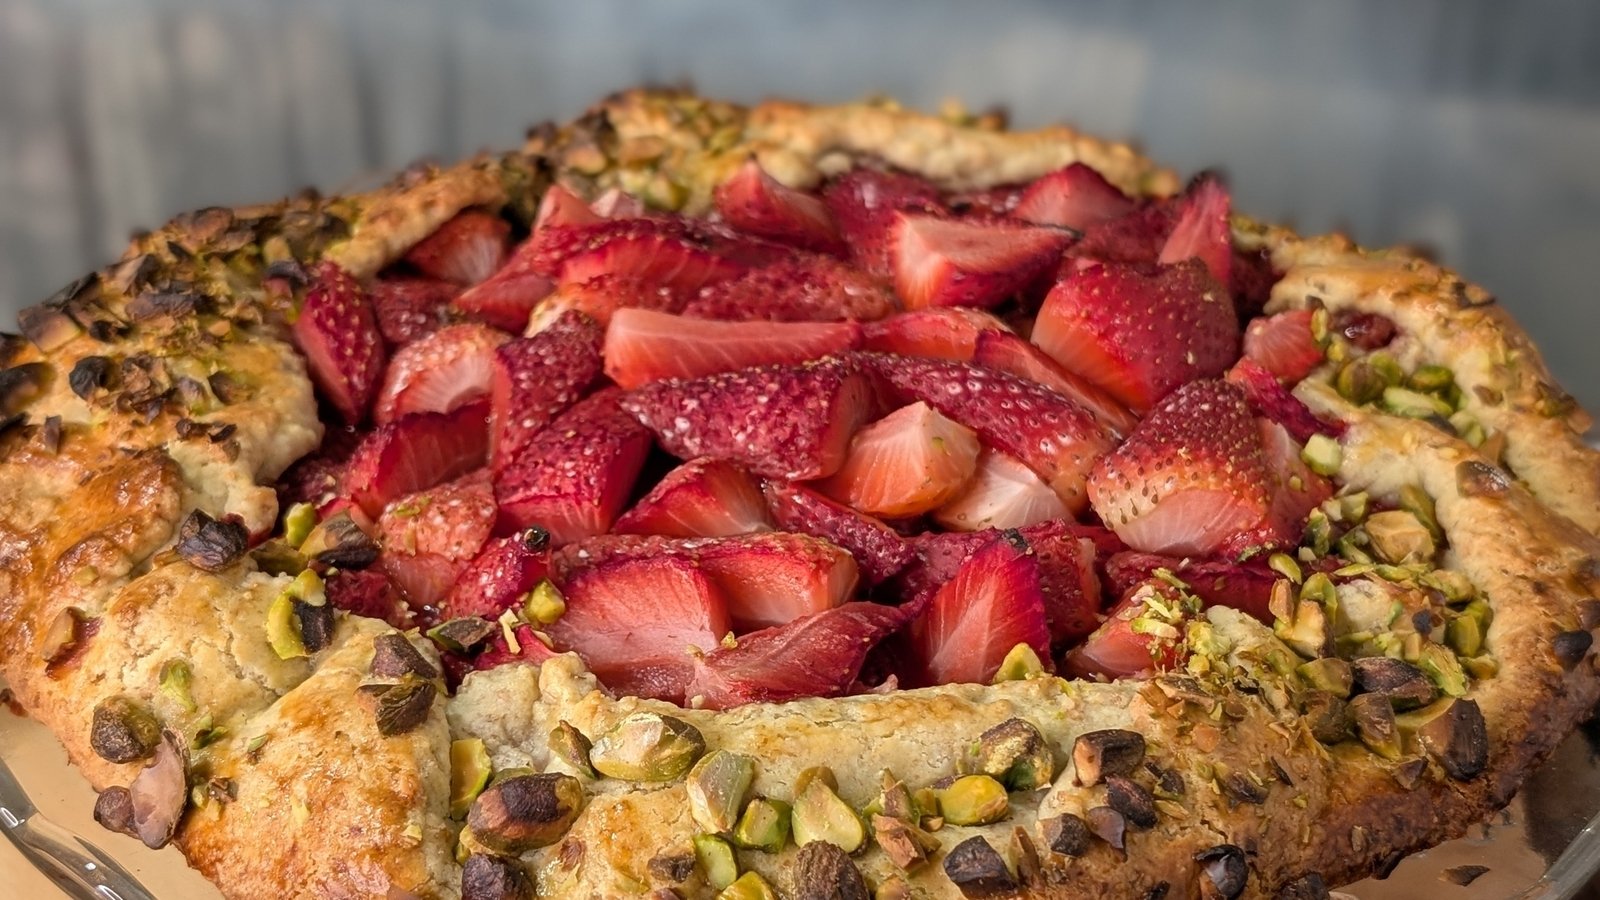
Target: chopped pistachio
x=1318, y=534
x=159, y=792
x=463, y=634
x=807, y=775
x=1016, y=754
x=176, y=679
x=1375, y=725
x=819, y=815
x=716, y=860
x=1442, y=666
x=1359, y=382
x=123, y=730
x=1319, y=588
x=1353, y=507
x=717, y=786
x=525, y=812
x=1384, y=363
x=544, y=603
x=646, y=746
x=764, y=825
x=1481, y=667
x=1413, y=405
x=338, y=542
x=894, y=799
x=404, y=706
x=1329, y=673
x=573, y=748
x=1308, y=633
x=283, y=624
x=1323, y=454
x=1431, y=379
x=1020, y=663
x=1398, y=537
x=973, y=800
x=1464, y=634
x=977, y=870
x=298, y=522
x=1452, y=731
x=749, y=886
x=1415, y=500
x=469, y=773
x=906, y=845
x=1110, y=751
x=1284, y=565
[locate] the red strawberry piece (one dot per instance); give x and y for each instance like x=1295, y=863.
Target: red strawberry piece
x=1296, y=489
x=465, y=250
x=790, y=422
x=1056, y=438
x=561, y=208
x=701, y=498
x=1245, y=586
x=1369, y=331
x=1074, y=197
x=1134, y=238
x=1271, y=399
x=416, y=452
x=367, y=593
x=798, y=288
x=1138, y=332
x=440, y=372
x=864, y=202
x=909, y=462
x=573, y=477
x=452, y=519
x=1201, y=230
x=634, y=621
x=962, y=262
x=1191, y=480
x=600, y=298
x=672, y=252
x=409, y=308
x=940, y=333
x=755, y=202
x=315, y=478
x=338, y=334
x=818, y=655
x=991, y=605
x=1284, y=345
x=537, y=378
x=1250, y=281
x=617, y=204
x=643, y=346
x=506, y=300
x=879, y=551
x=987, y=203
x=1006, y=352
x=498, y=578
x=423, y=579
x=1068, y=577
x=525, y=645
x=1002, y=493
x=1143, y=633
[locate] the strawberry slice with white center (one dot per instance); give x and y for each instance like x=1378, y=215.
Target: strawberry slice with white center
x=643, y=346
x=819, y=655
x=1201, y=231
x=338, y=333
x=790, y=422
x=798, y=288
x=561, y=208
x=1143, y=633
x=1073, y=197
x=452, y=520
x=961, y=262
x=616, y=203
x=756, y=203
x=1269, y=398
x=1138, y=332
x=416, y=452
x=673, y=252
x=498, y=578
x=599, y=298
x=573, y=477
x=440, y=372
x=634, y=621
x=1245, y=586
x=864, y=202
x=423, y=579
x=506, y=301
x=1005, y=352
x=991, y=605
x=1191, y=480
x=1284, y=345
x=409, y=308
x=1055, y=437
x=879, y=550
x=534, y=379
x=907, y=463
x=939, y=333
x=701, y=498
x=1002, y=493
x=465, y=250
x=1296, y=489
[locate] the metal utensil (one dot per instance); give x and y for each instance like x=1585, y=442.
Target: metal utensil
x=82, y=870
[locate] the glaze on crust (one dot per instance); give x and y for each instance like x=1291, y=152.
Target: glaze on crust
x=352, y=813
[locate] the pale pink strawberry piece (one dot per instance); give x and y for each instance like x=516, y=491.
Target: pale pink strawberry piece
x=1055, y=437
x=367, y=593
x=416, y=452
x=911, y=461
x=819, y=655
x=423, y=579
x=643, y=346
x=505, y=300
x=991, y=605
x=1005, y=352
x=534, y=379
x=1284, y=345
x=756, y=203
x=634, y=622
x=673, y=252
x=453, y=519
x=790, y=422
x=1269, y=398
x=439, y=372
x=1245, y=586
x=1003, y=493
x=1119, y=649
x=879, y=551
x=701, y=498
x=409, y=308
x=1296, y=490
x=1138, y=332
x=561, y=208
x=864, y=203
x=1074, y=197
x=1192, y=479
x=962, y=262
x=797, y=288
x=1201, y=230
x=616, y=203
x=465, y=250
x=573, y=477
x=939, y=333
x=500, y=576
x=338, y=333
x=600, y=298
x=530, y=648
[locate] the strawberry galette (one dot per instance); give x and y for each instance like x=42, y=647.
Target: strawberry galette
x=809, y=502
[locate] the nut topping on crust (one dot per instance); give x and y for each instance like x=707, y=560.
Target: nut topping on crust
x=402, y=707
x=977, y=869
x=1405, y=686
x=1224, y=872
x=1066, y=834
x=647, y=747
x=1015, y=753
x=1454, y=734
x=212, y=545
x=822, y=871
x=523, y=812
x=486, y=877
x=393, y=656
x=113, y=809
x=1133, y=800
x=159, y=792
x=1111, y=751
x=124, y=730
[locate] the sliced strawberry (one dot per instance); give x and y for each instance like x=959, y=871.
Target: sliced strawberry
x=599, y=298
x=465, y=250
x=1056, y=438
x=988, y=203
x=1250, y=281
x=506, y=300
x=756, y=203
x=535, y=379
x=530, y=647
x=864, y=202
x=818, y=655
x=1191, y=480
x=1296, y=489
x=634, y=621
x=338, y=333
x=911, y=461
x=778, y=421
x=498, y=578
x=798, y=288
x=941, y=333
x=1201, y=230
x=1138, y=332
x=991, y=605
x=1283, y=345
x=1074, y=197
x=643, y=346
x=1135, y=238
x=1245, y=586
x=409, y=308
x=416, y=452
x=366, y=592
x=561, y=208
x=1269, y=398
x=573, y=477
x=1069, y=579
x=616, y=203
x=452, y=519
x=1143, y=633
x=880, y=552
x=1002, y=493
x=961, y=262
x=423, y=579
x=666, y=251
x=701, y=498
x=440, y=372
x=1005, y=352
x=315, y=478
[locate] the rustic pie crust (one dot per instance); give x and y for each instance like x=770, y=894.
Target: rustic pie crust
x=311, y=799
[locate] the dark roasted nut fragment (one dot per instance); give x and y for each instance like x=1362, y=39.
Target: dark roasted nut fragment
x=1327, y=716
x=1241, y=788
x=1108, y=825
x=1589, y=614
x=463, y=635
x=1026, y=856
x=90, y=374
x=113, y=809
x=123, y=730
x=1373, y=717
x=1404, y=685
x=978, y=871
x=525, y=812
x=1458, y=739
x=1409, y=773
x=672, y=867
x=1066, y=834
x=402, y=707
x=172, y=304
x=906, y=845
x=1571, y=647
x=1130, y=798
x=19, y=384
x=1463, y=875
x=159, y=792
x=394, y=656
x=339, y=542
x=1475, y=478
x=212, y=545
x=1306, y=887
x=1015, y=753
x=316, y=625
x=486, y=877
x=825, y=872
x=1111, y=751
x=1223, y=872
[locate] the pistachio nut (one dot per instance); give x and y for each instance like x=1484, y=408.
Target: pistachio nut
x=572, y=748
x=1016, y=754
x=1441, y=665
x=175, y=679
x=1403, y=684
x=978, y=871
x=894, y=799
x=973, y=800
x=1329, y=673
x=815, y=772
x=394, y=656
x=749, y=886
x=544, y=604
x=1327, y=716
x=298, y=522
x=1308, y=632
x=1132, y=799
x=470, y=769
x=1415, y=500
x=1397, y=537
x=906, y=845
x=1570, y=647
x=212, y=545
x=488, y=877
x=402, y=707
x=824, y=871
x=123, y=730
x=113, y=810
x=338, y=542
x=463, y=635
x=1375, y=724
x=895, y=887
x=1066, y=834
x=1431, y=379
x=1322, y=454
x=764, y=825
x=1021, y=662
x=159, y=792
x=819, y=815
x=283, y=619
x=1108, y=825
x=1464, y=635
x=1359, y=382
x=1111, y=751
x=66, y=631
x=1411, y=404
x=646, y=746
x=525, y=812
x=1224, y=872
x=1452, y=731
x=716, y=861
x=717, y=786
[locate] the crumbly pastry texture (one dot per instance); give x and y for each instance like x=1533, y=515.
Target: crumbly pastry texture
x=210, y=403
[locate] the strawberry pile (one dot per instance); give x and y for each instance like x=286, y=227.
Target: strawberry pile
x=875, y=436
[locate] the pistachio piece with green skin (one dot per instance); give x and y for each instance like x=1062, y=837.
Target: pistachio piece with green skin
x=1441, y=665
x=463, y=635
x=906, y=845
x=1322, y=454
x=1330, y=674
x=764, y=825
x=298, y=522
x=400, y=708
x=1414, y=404
x=1401, y=683
x=570, y=745
x=1453, y=732
x=283, y=619
x=1308, y=632
x=1020, y=663
x=470, y=769
x=749, y=886
x=973, y=800
x=1464, y=635
x=525, y=812
x=806, y=776
x=544, y=603
x=1359, y=382
x=66, y=631
x=488, y=877
x=1110, y=751
x=894, y=799
x=123, y=730
x=1065, y=834
x=1015, y=753
x=823, y=871
x=338, y=542
x=646, y=746
x=176, y=679
x=1375, y=724
x=1398, y=537
x=819, y=815
x=717, y=786
x=716, y=861
x=978, y=871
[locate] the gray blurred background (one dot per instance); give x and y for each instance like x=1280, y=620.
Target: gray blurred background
x=1472, y=128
